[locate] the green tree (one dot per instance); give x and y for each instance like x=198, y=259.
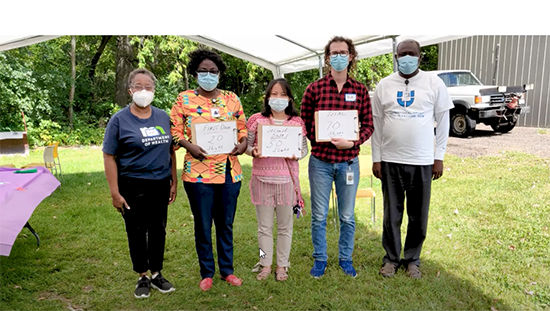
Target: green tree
x=429, y=57
x=371, y=70
x=167, y=58
x=37, y=80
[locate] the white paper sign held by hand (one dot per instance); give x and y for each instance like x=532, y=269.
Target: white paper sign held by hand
x=215, y=137
x=336, y=124
x=280, y=140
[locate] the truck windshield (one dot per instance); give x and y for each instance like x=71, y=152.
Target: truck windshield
x=459, y=79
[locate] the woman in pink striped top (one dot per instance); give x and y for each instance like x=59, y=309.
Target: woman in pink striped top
x=275, y=183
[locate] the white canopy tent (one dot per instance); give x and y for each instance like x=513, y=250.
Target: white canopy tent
x=286, y=54
x=14, y=42
x=279, y=53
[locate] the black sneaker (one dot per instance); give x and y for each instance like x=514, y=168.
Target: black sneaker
x=162, y=284
x=143, y=287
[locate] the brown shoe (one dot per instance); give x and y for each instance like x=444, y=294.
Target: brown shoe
x=388, y=270
x=264, y=273
x=413, y=271
x=281, y=273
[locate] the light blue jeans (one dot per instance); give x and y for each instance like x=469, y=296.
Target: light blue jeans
x=321, y=176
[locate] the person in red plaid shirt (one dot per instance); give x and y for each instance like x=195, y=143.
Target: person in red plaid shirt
x=335, y=161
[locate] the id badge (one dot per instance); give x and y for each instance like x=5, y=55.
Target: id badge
x=349, y=178
x=215, y=112
x=351, y=97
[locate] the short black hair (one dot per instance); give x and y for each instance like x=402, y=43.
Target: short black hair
x=290, y=110
x=138, y=71
x=197, y=56
x=408, y=40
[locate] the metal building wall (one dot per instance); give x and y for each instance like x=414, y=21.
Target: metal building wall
x=521, y=60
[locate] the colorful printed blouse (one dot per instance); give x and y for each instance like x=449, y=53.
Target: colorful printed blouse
x=190, y=107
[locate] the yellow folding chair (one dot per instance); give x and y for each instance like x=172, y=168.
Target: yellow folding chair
x=56, y=157
x=365, y=170
x=365, y=166
x=50, y=155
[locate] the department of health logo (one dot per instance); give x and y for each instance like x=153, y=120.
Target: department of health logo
x=405, y=103
x=152, y=131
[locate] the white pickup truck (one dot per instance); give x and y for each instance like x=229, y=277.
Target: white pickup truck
x=497, y=106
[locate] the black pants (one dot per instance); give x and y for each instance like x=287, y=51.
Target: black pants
x=413, y=182
x=145, y=220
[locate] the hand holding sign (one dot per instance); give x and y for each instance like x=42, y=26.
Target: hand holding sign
x=239, y=148
x=341, y=143
x=256, y=153
x=196, y=151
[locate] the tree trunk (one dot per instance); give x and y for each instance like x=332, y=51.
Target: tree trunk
x=95, y=60
x=186, y=77
x=73, y=80
x=124, y=58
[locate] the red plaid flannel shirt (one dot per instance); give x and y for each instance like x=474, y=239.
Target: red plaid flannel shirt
x=323, y=95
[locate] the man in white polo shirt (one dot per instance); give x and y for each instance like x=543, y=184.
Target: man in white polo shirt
x=405, y=106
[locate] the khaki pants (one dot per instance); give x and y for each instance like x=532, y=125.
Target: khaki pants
x=284, y=233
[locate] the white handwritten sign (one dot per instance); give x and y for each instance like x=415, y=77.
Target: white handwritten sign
x=336, y=123
x=215, y=137
x=280, y=140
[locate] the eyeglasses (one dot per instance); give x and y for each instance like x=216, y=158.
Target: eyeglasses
x=341, y=53
x=212, y=73
x=141, y=88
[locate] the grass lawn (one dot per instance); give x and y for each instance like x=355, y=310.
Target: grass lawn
x=488, y=248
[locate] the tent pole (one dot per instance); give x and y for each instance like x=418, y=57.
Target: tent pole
x=277, y=73
x=320, y=67
x=394, y=48
x=320, y=55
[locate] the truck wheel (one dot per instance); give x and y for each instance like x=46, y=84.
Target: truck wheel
x=462, y=125
x=503, y=128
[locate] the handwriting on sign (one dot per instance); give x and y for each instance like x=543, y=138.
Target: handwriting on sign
x=336, y=124
x=216, y=127
x=280, y=141
x=215, y=137
x=336, y=114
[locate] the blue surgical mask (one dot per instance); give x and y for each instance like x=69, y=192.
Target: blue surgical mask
x=407, y=64
x=338, y=62
x=208, y=82
x=278, y=104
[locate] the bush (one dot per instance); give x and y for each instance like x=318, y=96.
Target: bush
x=49, y=131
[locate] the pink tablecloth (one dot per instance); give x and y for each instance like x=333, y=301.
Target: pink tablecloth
x=20, y=194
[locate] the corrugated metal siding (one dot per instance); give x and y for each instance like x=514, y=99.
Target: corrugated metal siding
x=521, y=60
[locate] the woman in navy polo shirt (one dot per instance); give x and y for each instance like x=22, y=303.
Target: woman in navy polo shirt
x=140, y=166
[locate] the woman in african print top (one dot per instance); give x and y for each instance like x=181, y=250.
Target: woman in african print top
x=212, y=182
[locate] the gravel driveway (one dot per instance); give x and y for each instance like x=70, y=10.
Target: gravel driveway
x=486, y=142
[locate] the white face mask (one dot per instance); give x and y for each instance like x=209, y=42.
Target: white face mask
x=143, y=98
x=278, y=104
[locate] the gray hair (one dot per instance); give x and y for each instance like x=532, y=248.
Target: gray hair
x=138, y=71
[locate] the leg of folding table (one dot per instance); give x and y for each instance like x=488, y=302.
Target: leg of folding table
x=33, y=232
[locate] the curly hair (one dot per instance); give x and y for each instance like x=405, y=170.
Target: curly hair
x=197, y=56
x=351, y=50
